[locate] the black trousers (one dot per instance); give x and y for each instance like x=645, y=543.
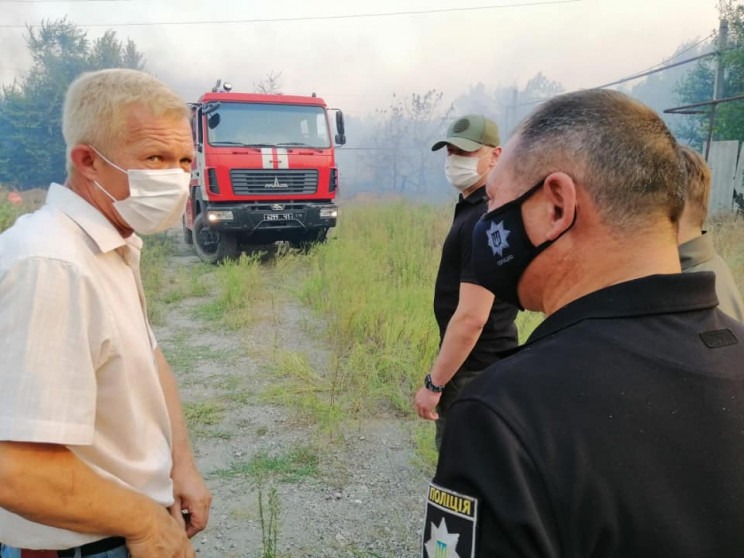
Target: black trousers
x=451, y=392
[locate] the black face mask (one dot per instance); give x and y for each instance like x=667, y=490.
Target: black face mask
x=502, y=250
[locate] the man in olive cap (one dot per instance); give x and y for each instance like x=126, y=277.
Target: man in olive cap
x=474, y=327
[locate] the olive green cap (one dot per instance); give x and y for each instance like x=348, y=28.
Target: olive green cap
x=470, y=133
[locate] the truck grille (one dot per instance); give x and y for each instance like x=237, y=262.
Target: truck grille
x=252, y=182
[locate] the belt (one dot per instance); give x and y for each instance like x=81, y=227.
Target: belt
x=104, y=545
x=90, y=549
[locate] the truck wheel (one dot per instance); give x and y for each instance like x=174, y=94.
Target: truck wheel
x=212, y=246
x=307, y=241
x=188, y=236
x=322, y=236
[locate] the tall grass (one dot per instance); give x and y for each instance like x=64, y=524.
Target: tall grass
x=375, y=283
x=728, y=237
x=239, y=284
x=8, y=212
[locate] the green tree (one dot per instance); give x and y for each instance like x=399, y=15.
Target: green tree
x=32, y=150
x=697, y=86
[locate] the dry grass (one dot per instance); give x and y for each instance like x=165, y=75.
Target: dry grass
x=728, y=237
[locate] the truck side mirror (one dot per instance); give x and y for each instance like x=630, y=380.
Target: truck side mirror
x=213, y=120
x=340, y=135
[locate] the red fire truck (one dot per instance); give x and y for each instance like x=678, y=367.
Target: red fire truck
x=264, y=171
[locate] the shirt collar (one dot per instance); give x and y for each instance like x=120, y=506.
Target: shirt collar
x=476, y=197
x=655, y=294
x=88, y=218
x=696, y=251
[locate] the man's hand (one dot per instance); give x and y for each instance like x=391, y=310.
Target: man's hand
x=191, y=495
x=164, y=537
x=425, y=402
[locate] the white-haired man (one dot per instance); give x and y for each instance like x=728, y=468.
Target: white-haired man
x=95, y=459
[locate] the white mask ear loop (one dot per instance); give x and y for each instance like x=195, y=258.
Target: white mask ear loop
x=102, y=189
x=102, y=156
x=117, y=167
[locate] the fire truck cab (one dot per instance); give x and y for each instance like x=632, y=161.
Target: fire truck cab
x=264, y=171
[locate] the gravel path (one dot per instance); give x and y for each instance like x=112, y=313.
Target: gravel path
x=362, y=496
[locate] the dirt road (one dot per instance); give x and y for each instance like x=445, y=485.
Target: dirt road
x=353, y=493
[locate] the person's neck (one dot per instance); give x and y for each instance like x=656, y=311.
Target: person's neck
x=687, y=233
x=472, y=189
x=85, y=188
x=606, y=262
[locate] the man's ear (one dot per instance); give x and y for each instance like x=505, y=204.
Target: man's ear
x=85, y=161
x=560, y=190
x=495, y=154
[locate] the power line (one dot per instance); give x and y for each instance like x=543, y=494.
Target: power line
x=689, y=109
x=55, y=1
x=636, y=76
x=680, y=53
x=317, y=18
x=648, y=73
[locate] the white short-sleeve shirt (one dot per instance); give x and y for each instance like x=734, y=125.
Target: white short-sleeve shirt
x=76, y=355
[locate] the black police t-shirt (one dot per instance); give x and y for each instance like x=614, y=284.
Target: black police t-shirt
x=499, y=333
x=617, y=431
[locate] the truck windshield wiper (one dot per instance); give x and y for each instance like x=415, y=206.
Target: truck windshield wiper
x=298, y=144
x=241, y=144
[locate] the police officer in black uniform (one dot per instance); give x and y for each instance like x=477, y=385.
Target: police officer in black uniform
x=617, y=430
x=474, y=327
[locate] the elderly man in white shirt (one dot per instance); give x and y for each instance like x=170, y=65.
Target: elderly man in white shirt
x=95, y=459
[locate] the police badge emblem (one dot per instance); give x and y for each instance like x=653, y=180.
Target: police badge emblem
x=498, y=238
x=449, y=529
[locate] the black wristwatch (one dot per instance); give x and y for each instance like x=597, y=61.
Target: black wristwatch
x=430, y=385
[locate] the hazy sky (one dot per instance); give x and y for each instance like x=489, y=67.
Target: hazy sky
x=356, y=63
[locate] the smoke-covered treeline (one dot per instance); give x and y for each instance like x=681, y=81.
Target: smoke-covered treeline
x=388, y=150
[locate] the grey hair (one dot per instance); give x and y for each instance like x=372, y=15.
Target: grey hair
x=617, y=148
x=97, y=104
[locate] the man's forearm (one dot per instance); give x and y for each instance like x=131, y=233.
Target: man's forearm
x=48, y=484
x=459, y=339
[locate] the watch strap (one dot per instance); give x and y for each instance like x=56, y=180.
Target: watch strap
x=431, y=386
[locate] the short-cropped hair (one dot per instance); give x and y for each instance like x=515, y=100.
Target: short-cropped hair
x=697, y=174
x=97, y=104
x=617, y=148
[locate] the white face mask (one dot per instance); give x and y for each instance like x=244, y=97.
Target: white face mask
x=462, y=171
x=157, y=197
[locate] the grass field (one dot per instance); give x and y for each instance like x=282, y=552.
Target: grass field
x=372, y=286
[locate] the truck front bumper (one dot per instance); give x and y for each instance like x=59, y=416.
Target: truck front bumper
x=292, y=217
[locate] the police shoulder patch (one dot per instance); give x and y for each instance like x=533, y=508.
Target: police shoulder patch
x=450, y=525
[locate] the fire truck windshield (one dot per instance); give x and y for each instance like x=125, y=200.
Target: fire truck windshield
x=268, y=125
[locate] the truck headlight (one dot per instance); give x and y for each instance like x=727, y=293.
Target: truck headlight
x=215, y=216
x=328, y=212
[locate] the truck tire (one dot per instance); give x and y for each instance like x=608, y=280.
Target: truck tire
x=306, y=242
x=188, y=236
x=212, y=246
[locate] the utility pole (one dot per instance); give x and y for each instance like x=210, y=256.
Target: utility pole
x=511, y=120
x=718, y=86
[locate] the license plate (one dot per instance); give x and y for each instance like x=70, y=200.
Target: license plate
x=281, y=216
